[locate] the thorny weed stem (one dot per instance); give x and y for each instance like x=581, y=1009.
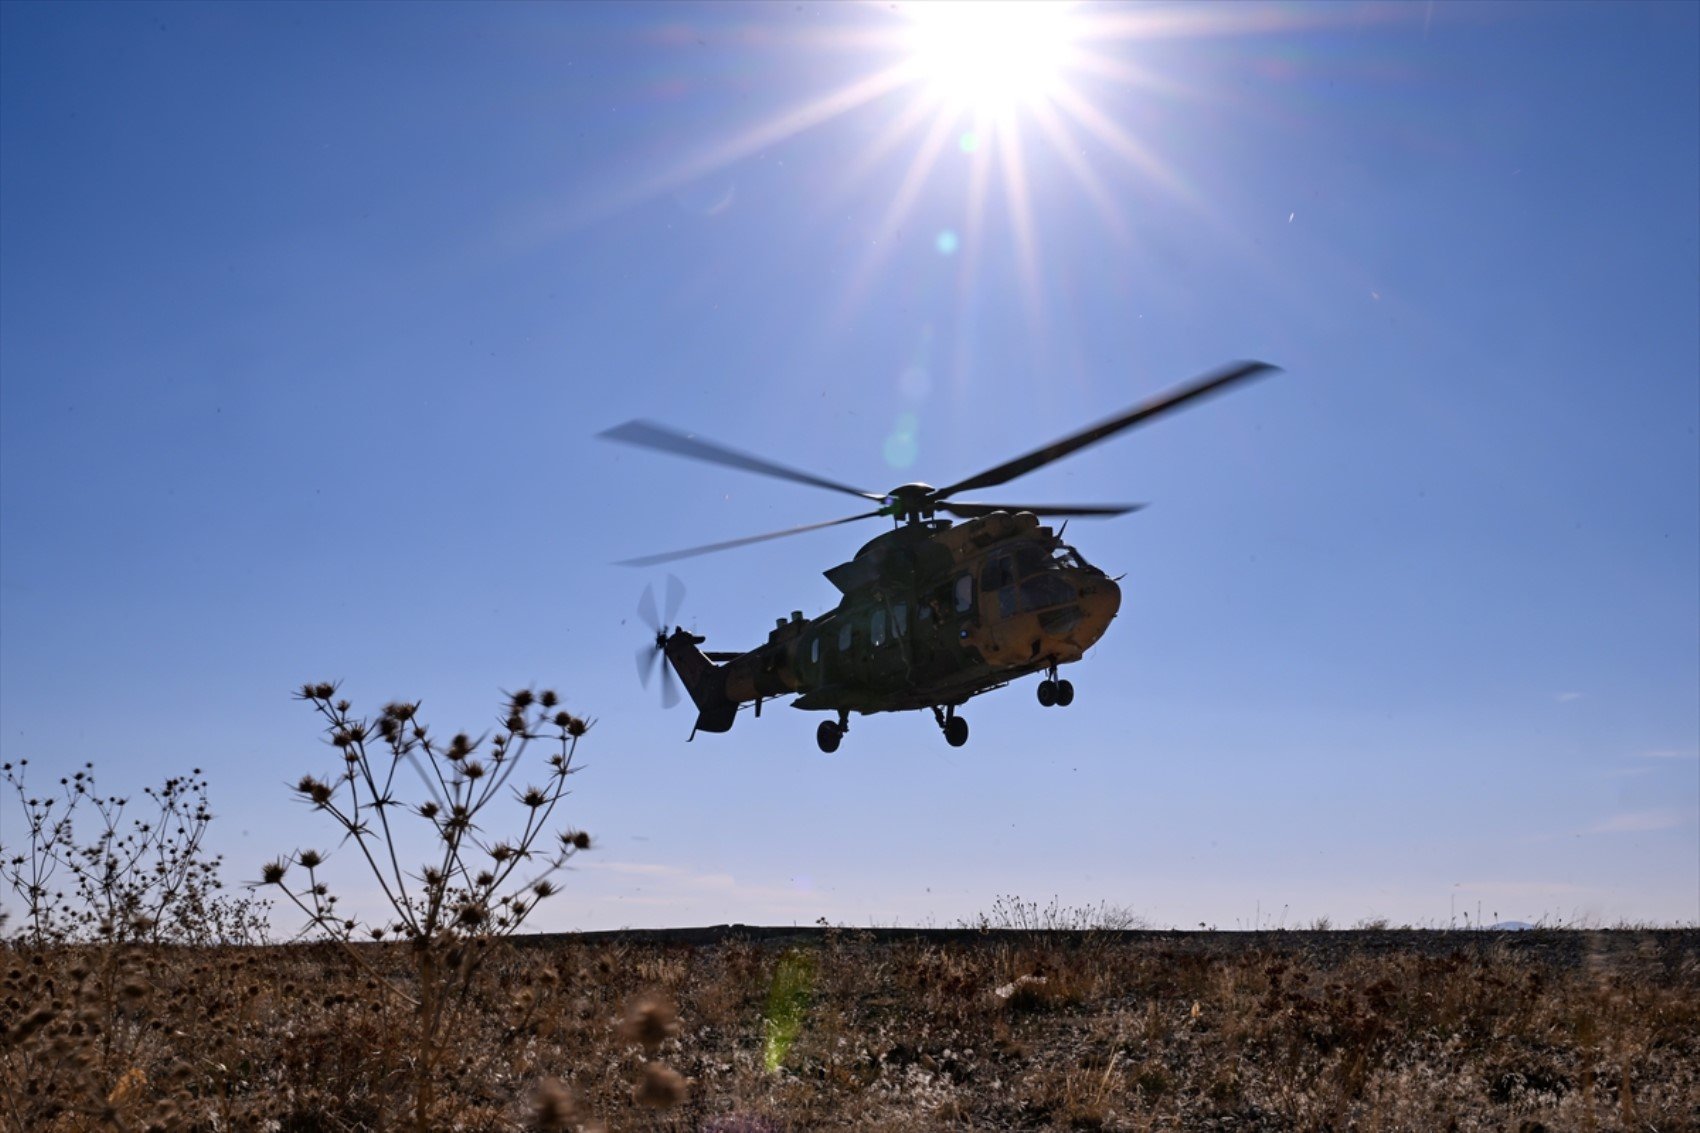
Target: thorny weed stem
x=475, y=889
x=136, y=874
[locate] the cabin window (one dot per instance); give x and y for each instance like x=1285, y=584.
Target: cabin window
x=996, y=573
x=964, y=594
x=814, y=650
x=899, y=619
x=1030, y=560
x=1045, y=590
x=845, y=637
x=876, y=627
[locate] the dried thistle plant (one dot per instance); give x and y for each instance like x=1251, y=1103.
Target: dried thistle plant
x=659, y=1087
x=94, y=867
x=650, y=1022
x=492, y=852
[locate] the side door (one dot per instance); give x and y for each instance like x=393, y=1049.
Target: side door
x=939, y=625
x=1000, y=602
x=888, y=640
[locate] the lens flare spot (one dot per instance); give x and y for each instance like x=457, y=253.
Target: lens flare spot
x=787, y=1007
x=902, y=447
x=947, y=243
x=968, y=142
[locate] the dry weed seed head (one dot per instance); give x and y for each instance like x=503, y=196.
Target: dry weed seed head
x=660, y=1087
x=314, y=789
x=553, y=1109
x=649, y=1023
x=34, y=1022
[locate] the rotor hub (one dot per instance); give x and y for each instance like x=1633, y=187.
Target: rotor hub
x=913, y=502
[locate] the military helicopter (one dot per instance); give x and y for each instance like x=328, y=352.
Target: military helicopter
x=933, y=612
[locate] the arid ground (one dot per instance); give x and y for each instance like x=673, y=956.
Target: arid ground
x=792, y=1029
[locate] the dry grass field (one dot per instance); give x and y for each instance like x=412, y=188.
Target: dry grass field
x=136, y=995
x=742, y=1030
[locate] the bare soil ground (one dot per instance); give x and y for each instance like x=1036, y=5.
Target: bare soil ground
x=773, y=1030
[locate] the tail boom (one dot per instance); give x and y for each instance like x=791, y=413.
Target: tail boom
x=703, y=679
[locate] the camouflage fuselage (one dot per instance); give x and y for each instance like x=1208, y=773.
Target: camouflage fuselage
x=932, y=614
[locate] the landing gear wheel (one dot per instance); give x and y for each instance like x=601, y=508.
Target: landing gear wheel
x=1065, y=694
x=1047, y=693
x=956, y=731
x=828, y=736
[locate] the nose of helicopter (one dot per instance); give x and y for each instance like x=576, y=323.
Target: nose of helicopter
x=1100, y=599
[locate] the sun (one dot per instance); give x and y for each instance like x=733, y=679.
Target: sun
x=997, y=94
x=988, y=56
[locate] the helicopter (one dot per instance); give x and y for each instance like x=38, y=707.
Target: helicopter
x=933, y=612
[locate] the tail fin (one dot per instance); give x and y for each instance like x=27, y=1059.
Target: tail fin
x=704, y=680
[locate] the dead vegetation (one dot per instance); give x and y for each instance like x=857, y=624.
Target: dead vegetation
x=137, y=996
x=841, y=1029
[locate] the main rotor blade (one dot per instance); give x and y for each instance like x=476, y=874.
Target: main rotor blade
x=970, y=509
x=1162, y=403
x=647, y=434
x=669, y=556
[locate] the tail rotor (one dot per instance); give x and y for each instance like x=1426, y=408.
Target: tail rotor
x=650, y=655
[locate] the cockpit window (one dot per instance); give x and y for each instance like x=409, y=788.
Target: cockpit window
x=1029, y=561
x=996, y=573
x=1067, y=557
x=876, y=627
x=1043, y=591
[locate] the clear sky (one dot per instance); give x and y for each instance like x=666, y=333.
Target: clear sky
x=309, y=315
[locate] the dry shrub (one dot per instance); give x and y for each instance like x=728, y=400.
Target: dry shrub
x=1415, y=1032
x=486, y=866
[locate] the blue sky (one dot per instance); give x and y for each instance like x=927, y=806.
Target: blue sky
x=309, y=315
